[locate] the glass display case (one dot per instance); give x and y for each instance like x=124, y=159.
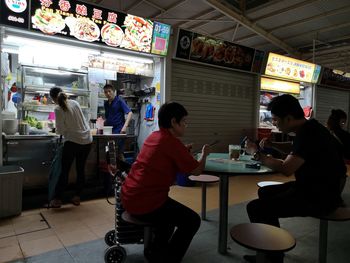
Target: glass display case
x=34, y=84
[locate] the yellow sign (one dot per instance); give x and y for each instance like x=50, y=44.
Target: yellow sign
x=280, y=86
x=289, y=68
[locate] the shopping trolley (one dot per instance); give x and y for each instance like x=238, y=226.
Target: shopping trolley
x=123, y=232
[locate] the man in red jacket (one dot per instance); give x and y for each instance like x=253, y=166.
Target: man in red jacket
x=145, y=190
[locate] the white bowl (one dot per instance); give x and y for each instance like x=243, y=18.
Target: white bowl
x=9, y=126
x=107, y=129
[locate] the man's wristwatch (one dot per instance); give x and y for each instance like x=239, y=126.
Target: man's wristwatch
x=256, y=156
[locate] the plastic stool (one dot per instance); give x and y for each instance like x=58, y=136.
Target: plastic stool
x=204, y=179
x=262, y=238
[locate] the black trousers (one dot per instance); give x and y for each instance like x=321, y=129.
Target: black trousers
x=72, y=151
x=175, y=226
x=281, y=201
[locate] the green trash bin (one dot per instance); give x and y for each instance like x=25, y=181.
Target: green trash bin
x=11, y=185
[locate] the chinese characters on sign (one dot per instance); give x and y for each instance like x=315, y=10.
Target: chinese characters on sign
x=290, y=68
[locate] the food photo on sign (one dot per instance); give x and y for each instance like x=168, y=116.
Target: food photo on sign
x=89, y=23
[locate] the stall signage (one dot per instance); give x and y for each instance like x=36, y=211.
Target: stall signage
x=14, y=13
x=209, y=50
x=160, y=40
x=290, y=68
x=89, y=23
x=280, y=86
x=335, y=78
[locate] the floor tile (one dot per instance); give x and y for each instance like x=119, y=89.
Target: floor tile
x=10, y=253
x=39, y=246
x=7, y=230
x=76, y=237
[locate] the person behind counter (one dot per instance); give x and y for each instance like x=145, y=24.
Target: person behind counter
x=316, y=162
x=115, y=110
x=145, y=190
x=336, y=123
x=70, y=123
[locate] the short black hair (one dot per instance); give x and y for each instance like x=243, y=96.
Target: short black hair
x=333, y=121
x=168, y=111
x=109, y=86
x=285, y=105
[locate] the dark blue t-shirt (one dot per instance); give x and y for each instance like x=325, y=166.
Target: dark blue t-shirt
x=115, y=113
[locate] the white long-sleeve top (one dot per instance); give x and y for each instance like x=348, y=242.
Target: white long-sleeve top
x=72, y=124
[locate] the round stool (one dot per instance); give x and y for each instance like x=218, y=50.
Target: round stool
x=204, y=179
x=262, y=238
x=267, y=183
x=340, y=214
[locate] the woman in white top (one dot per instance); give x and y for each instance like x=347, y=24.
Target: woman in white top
x=70, y=123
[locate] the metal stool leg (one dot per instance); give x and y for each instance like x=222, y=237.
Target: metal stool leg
x=322, y=247
x=260, y=257
x=204, y=200
x=147, y=236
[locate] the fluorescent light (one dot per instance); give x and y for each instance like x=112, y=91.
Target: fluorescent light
x=10, y=50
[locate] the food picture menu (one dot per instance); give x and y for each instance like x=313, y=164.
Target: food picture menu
x=91, y=24
x=290, y=68
x=214, y=51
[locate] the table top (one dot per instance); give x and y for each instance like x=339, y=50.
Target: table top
x=220, y=163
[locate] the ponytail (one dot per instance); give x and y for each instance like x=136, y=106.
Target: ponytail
x=56, y=93
x=62, y=100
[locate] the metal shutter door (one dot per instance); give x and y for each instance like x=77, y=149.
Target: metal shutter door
x=328, y=99
x=222, y=104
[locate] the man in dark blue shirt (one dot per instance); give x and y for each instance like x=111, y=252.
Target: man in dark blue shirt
x=115, y=111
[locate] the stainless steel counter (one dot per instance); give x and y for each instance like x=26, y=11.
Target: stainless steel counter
x=30, y=137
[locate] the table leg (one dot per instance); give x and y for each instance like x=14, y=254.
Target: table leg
x=98, y=157
x=223, y=214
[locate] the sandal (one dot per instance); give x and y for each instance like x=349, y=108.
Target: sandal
x=55, y=203
x=75, y=200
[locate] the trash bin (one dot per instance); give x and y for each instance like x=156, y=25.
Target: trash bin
x=11, y=184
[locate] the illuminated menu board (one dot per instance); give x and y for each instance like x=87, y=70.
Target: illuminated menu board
x=160, y=41
x=280, y=86
x=91, y=24
x=292, y=69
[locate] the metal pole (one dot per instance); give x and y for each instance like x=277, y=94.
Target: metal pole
x=2, y=87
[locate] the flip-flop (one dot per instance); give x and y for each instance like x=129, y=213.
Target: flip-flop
x=53, y=204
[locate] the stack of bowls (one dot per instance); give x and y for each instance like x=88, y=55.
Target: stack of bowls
x=9, y=122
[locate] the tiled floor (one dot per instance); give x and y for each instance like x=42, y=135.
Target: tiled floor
x=39, y=231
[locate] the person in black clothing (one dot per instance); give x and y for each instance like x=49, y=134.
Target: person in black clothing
x=336, y=123
x=316, y=162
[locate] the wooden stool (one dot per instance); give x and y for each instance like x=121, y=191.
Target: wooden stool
x=262, y=238
x=204, y=179
x=340, y=214
x=147, y=237
x=267, y=183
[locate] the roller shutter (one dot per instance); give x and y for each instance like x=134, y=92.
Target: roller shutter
x=328, y=99
x=222, y=104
